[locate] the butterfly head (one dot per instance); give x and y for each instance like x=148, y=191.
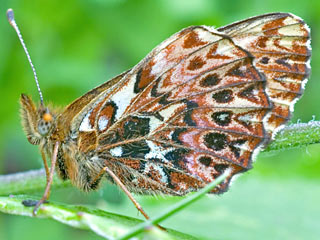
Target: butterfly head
x=38, y=122
x=45, y=121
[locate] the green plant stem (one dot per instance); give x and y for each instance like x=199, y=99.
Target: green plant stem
x=27, y=182
x=175, y=208
x=296, y=135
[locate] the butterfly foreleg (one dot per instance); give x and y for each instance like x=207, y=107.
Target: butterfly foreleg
x=43, y=155
x=49, y=177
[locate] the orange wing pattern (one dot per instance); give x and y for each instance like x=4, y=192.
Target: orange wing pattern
x=201, y=102
x=280, y=44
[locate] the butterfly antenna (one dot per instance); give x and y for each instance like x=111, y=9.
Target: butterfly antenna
x=13, y=23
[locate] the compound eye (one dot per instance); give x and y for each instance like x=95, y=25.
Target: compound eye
x=45, y=123
x=44, y=127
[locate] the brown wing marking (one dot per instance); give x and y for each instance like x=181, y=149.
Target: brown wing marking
x=153, y=177
x=69, y=120
x=280, y=43
x=194, y=107
x=184, y=121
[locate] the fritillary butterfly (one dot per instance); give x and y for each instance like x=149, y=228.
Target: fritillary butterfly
x=202, y=102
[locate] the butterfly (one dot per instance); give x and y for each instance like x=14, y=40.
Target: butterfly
x=202, y=102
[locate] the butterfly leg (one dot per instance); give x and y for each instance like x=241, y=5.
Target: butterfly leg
x=49, y=179
x=45, y=165
x=126, y=191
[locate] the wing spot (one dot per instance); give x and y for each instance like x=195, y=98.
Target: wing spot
x=283, y=62
x=262, y=42
x=85, y=125
x=221, y=167
x=210, y=80
x=138, y=149
x=176, y=135
x=249, y=93
x=143, y=78
x=176, y=156
x=116, y=152
x=206, y=161
x=192, y=40
x=188, y=119
x=215, y=141
x=102, y=123
x=238, y=71
x=107, y=116
x=196, y=63
x=222, y=118
x=264, y=60
x=224, y=96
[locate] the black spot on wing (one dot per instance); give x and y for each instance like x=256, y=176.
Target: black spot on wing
x=223, y=96
x=164, y=99
x=188, y=115
x=131, y=127
x=222, y=118
x=136, y=84
x=176, y=134
x=154, y=89
x=283, y=62
x=215, y=141
x=237, y=72
x=210, y=80
x=220, y=168
x=188, y=119
x=191, y=104
x=153, y=114
x=176, y=156
x=264, y=60
x=206, y=161
x=248, y=92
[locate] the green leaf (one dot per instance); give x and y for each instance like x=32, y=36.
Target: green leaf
x=105, y=224
x=296, y=135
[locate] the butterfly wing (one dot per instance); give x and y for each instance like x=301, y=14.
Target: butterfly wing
x=191, y=109
x=280, y=44
x=197, y=105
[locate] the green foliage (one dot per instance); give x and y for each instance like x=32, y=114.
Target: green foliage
x=110, y=225
x=105, y=224
x=295, y=136
x=77, y=45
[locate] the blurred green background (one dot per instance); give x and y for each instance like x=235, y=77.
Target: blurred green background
x=77, y=45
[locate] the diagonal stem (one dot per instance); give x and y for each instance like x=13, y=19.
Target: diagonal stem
x=175, y=208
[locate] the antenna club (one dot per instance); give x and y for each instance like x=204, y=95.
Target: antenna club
x=10, y=15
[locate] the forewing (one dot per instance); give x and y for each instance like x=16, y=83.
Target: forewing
x=191, y=109
x=280, y=44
